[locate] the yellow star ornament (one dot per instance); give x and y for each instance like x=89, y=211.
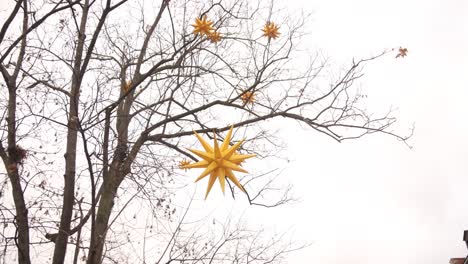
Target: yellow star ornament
x=219, y=161
x=214, y=37
x=270, y=30
x=127, y=86
x=248, y=97
x=402, y=52
x=202, y=26
x=183, y=163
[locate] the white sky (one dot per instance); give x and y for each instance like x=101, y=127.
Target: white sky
x=374, y=200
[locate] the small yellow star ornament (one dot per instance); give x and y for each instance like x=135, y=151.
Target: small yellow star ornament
x=202, y=26
x=214, y=36
x=183, y=163
x=219, y=161
x=127, y=86
x=270, y=30
x=402, y=52
x=248, y=97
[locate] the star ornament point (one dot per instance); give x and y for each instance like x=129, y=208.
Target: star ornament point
x=220, y=161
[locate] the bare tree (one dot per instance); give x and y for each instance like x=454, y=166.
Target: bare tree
x=117, y=88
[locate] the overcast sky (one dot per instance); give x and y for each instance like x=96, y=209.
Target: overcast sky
x=374, y=200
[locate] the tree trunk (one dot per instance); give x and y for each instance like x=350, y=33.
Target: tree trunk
x=21, y=215
x=106, y=203
x=11, y=163
x=14, y=159
x=69, y=187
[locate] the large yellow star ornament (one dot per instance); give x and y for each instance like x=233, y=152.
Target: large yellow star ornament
x=219, y=161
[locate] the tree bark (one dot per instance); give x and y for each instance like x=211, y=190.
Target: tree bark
x=21, y=217
x=106, y=204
